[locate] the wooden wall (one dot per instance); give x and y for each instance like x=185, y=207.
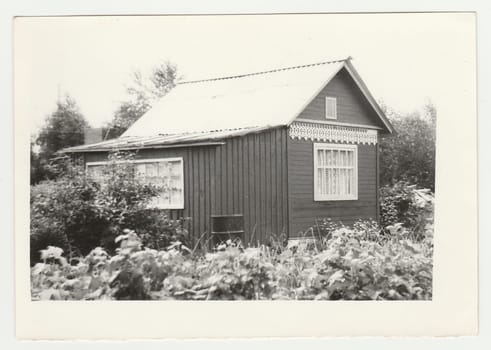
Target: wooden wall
x=304, y=211
x=247, y=175
x=352, y=106
x=251, y=179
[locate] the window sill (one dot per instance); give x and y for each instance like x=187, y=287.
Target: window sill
x=328, y=199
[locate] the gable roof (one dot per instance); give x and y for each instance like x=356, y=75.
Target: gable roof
x=263, y=99
x=223, y=107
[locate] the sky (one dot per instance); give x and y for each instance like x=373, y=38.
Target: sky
x=405, y=59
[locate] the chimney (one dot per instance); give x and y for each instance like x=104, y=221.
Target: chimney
x=92, y=135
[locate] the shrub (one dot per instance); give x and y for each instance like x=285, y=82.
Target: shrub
x=63, y=214
x=404, y=204
x=78, y=212
x=348, y=266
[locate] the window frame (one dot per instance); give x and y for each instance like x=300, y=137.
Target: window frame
x=153, y=160
x=318, y=197
x=331, y=98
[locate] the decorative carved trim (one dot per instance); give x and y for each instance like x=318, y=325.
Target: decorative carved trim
x=332, y=133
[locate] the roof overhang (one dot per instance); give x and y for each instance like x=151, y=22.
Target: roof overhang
x=80, y=149
x=200, y=139
x=361, y=85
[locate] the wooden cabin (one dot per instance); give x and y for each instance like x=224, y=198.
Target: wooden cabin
x=262, y=153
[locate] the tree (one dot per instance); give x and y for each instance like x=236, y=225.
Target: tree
x=143, y=92
x=409, y=154
x=63, y=128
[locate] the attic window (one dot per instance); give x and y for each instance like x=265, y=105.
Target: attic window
x=166, y=173
x=331, y=108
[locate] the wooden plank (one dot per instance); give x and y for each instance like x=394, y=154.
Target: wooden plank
x=252, y=186
x=187, y=191
x=213, y=187
x=237, y=165
x=268, y=186
x=284, y=183
x=188, y=195
x=276, y=177
x=263, y=190
x=258, y=175
x=224, y=209
x=240, y=177
x=245, y=177
x=289, y=146
x=202, y=190
x=196, y=194
x=218, y=188
x=233, y=174
x=229, y=178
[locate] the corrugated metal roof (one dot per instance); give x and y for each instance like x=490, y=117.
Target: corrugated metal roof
x=165, y=141
x=209, y=110
x=271, y=98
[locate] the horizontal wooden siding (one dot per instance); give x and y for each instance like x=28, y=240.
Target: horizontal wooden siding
x=304, y=211
x=352, y=106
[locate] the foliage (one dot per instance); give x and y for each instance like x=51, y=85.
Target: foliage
x=37, y=164
x=78, y=212
x=143, y=92
x=408, y=206
x=349, y=266
x=409, y=154
x=63, y=128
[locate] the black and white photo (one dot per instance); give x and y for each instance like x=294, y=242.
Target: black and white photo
x=249, y=159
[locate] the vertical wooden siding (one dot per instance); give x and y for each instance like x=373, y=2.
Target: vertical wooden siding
x=305, y=211
x=247, y=175
x=251, y=180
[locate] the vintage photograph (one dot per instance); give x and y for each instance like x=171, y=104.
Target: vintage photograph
x=253, y=157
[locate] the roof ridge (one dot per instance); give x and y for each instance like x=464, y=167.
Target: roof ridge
x=210, y=131
x=264, y=72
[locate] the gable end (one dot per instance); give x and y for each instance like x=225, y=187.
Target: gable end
x=352, y=107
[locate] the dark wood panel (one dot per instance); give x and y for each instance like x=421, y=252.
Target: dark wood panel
x=276, y=152
x=251, y=187
x=268, y=185
x=352, y=106
x=203, y=207
x=304, y=210
x=240, y=169
x=196, y=195
x=259, y=187
x=229, y=179
x=247, y=175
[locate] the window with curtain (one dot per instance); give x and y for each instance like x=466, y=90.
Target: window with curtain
x=166, y=173
x=335, y=172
